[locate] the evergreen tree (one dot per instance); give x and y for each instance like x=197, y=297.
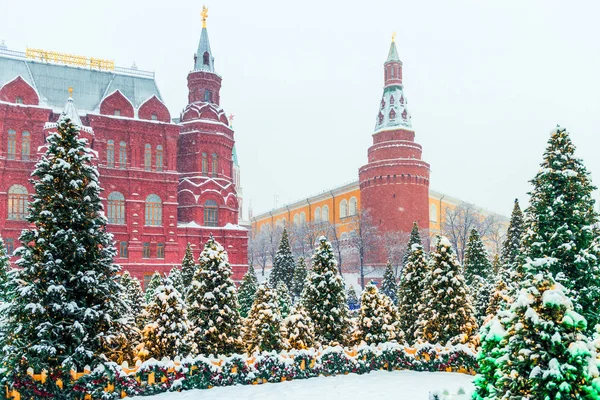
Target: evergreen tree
x=67, y=307
x=298, y=329
x=263, y=330
x=512, y=244
x=188, y=268
x=447, y=318
x=168, y=332
x=410, y=292
x=212, y=303
x=283, y=264
x=562, y=223
x=324, y=297
x=499, y=298
x=378, y=319
x=352, y=298
x=496, y=266
x=155, y=282
x=415, y=238
x=4, y=269
x=176, y=278
x=300, y=275
x=283, y=298
x=389, y=287
x=134, y=298
x=477, y=262
x=491, y=334
x=545, y=354
x=247, y=291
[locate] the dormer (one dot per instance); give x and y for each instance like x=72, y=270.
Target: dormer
x=18, y=91
x=154, y=110
x=116, y=104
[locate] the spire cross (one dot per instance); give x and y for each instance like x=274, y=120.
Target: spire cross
x=70, y=91
x=204, y=15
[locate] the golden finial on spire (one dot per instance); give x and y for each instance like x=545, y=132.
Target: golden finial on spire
x=70, y=91
x=393, y=36
x=204, y=15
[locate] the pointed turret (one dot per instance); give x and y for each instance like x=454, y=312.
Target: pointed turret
x=393, y=53
x=70, y=112
x=203, y=59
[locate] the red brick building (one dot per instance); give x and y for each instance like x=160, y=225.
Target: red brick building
x=166, y=181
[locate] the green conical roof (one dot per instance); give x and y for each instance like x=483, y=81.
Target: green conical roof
x=234, y=157
x=393, y=53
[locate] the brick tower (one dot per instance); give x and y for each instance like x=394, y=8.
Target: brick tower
x=394, y=184
x=206, y=194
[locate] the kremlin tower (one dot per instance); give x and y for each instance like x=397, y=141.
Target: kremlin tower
x=394, y=184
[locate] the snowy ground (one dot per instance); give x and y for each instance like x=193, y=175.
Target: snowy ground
x=397, y=385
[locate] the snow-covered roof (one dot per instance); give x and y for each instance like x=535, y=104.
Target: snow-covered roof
x=392, y=109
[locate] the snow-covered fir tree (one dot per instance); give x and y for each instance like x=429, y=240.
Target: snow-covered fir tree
x=176, y=278
x=4, y=268
x=545, y=353
x=378, y=319
x=500, y=296
x=283, y=264
x=155, y=281
x=300, y=275
x=298, y=329
x=496, y=266
x=352, y=298
x=478, y=274
x=491, y=334
x=212, y=303
x=263, y=329
x=67, y=304
x=188, y=268
x=415, y=238
x=324, y=297
x=447, y=318
x=389, y=287
x=132, y=289
x=511, y=247
x=562, y=223
x=168, y=330
x=283, y=299
x=247, y=291
x=410, y=292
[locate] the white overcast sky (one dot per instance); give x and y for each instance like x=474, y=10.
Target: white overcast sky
x=486, y=81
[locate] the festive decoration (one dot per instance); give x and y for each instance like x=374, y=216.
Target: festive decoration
x=283, y=264
x=389, y=287
x=247, y=291
x=264, y=320
x=352, y=299
x=378, y=319
x=283, y=299
x=300, y=276
x=188, y=269
x=410, y=292
x=298, y=329
x=324, y=297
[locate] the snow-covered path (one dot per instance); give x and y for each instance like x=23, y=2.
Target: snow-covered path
x=397, y=385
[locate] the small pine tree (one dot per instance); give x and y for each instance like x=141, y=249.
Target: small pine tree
x=167, y=334
x=410, y=292
x=134, y=298
x=545, y=353
x=4, y=269
x=263, y=330
x=155, y=281
x=499, y=298
x=247, y=291
x=188, y=268
x=298, y=329
x=447, y=318
x=562, y=223
x=511, y=247
x=283, y=264
x=496, y=265
x=415, y=238
x=491, y=334
x=212, y=303
x=324, y=297
x=378, y=319
x=481, y=294
x=176, y=278
x=477, y=262
x=300, y=275
x=352, y=298
x=283, y=298
x=68, y=311
x=389, y=287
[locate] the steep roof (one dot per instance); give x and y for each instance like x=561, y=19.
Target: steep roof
x=393, y=53
x=204, y=47
x=90, y=86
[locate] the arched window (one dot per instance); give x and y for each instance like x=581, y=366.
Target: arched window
x=392, y=100
x=159, y=158
x=393, y=72
x=116, y=208
x=303, y=217
x=154, y=117
x=211, y=213
x=110, y=154
x=433, y=213
x=206, y=58
x=25, y=145
x=208, y=96
x=392, y=114
x=148, y=157
x=122, y=155
x=204, y=164
x=353, y=206
x=215, y=165
x=343, y=208
x=17, y=202
x=325, y=214
x=318, y=214
x=153, y=210
x=11, y=149
x=297, y=219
